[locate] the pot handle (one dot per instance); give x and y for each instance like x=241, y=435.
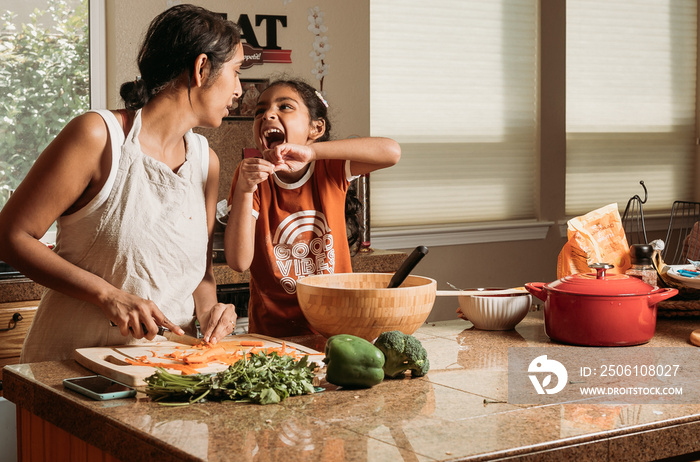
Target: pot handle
x=537, y=289
x=660, y=295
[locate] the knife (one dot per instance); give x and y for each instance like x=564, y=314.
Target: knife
x=173, y=337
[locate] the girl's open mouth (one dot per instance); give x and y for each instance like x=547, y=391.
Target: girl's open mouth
x=273, y=137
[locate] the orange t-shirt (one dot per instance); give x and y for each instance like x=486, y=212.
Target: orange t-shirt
x=299, y=231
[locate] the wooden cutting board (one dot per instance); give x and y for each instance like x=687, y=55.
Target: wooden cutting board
x=110, y=361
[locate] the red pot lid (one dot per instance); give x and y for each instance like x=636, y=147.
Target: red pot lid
x=600, y=283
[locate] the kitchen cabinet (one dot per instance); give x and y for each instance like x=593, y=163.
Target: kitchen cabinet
x=459, y=411
x=15, y=319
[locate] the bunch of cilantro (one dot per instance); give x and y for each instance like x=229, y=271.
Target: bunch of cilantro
x=260, y=378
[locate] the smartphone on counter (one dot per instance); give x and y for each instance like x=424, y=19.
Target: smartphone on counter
x=99, y=387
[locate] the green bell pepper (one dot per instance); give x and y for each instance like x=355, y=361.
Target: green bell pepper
x=353, y=362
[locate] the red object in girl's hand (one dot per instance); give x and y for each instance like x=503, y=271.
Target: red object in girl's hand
x=251, y=152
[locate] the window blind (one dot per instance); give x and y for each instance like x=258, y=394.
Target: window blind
x=630, y=110
x=455, y=83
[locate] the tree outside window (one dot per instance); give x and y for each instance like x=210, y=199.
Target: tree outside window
x=44, y=81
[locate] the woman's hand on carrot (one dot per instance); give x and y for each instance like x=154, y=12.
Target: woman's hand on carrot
x=220, y=322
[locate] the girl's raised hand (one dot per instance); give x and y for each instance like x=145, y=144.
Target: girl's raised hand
x=289, y=157
x=253, y=172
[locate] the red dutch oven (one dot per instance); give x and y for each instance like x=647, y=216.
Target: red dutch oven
x=598, y=309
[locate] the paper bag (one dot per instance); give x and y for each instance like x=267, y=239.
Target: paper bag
x=597, y=237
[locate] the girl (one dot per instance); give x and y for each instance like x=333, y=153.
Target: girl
x=287, y=216
x=134, y=192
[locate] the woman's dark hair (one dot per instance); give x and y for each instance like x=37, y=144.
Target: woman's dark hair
x=318, y=110
x=173, y=41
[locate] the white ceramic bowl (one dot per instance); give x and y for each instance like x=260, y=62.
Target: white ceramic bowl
x=495, y=312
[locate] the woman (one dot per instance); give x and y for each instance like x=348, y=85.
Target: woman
x=134, y=196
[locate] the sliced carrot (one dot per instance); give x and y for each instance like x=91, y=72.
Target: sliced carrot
x=177, y=355
x=187, y=359
x=231, y=346
x=204, y=356
x=226, y=359
x=184, y=368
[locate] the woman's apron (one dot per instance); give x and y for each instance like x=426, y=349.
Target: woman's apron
x=145, y=232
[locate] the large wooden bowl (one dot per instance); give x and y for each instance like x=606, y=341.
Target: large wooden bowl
x=360, y=304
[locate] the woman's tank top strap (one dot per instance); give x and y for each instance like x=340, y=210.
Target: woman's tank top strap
x=126, y=121
x=116, y=137
x=204, y=149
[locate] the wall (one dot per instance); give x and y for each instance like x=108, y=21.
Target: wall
x=347, y=82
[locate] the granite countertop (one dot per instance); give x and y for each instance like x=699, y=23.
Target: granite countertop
x=459, y=411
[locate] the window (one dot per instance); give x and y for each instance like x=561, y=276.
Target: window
x=455, y=83
x=459, y=85
x=44, y=80
x=630, y=102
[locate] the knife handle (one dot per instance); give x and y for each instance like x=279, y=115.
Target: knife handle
x=161, y=329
